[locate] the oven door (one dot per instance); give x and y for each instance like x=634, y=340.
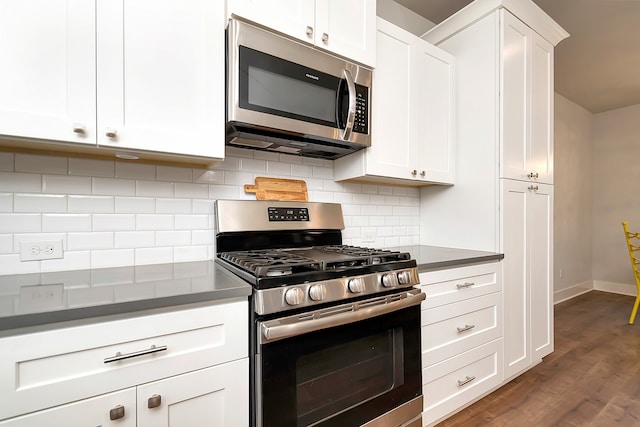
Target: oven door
x=365, y=369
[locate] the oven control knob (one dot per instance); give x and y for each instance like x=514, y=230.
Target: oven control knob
x=390, y=280
x=318, y=292
x=294, y=296
x=356, y=285
x=404, y=277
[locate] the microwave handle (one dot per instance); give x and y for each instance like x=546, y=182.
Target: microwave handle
x=351, y=114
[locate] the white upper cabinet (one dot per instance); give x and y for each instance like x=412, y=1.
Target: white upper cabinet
x=346, y=28
x=160, y=76
x=47, y=80
x=527, y=103
x=412, y=114
x=135, y=75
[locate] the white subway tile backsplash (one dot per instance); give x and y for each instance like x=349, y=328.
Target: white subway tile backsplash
x=154, y=222
x=134, y=239
x=113, y=213
x=6, y=202
x=20, y=223
x=52, y=223
x=155, y=189
x=191, y=222
x=92, y=167
x=20, y=182
x=66, y=184
x=192, y=191
x=40, y=164
x=173, y=173
x=11, y=264
x=6, y=243
x=6, y=162
x=39, y=203
x=90, y=204
x=90, y=240
x=112, y=258
x=133, y=170
x=113, y=187
x=238, y=152
x=146, y=256
x=175, y=206
x=173, y=238
x=135, y=205
x=114, y=222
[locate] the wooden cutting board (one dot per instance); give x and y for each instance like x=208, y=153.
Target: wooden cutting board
x=278, y=189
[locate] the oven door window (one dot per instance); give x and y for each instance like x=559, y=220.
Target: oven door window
x=343, y=376
x=283, y=88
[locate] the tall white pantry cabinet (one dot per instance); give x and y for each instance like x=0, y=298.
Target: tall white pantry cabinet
x=503, y=197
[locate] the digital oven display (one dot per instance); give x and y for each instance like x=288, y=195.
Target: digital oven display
x=288, y=214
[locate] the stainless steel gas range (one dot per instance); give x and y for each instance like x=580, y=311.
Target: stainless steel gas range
x=335, y=329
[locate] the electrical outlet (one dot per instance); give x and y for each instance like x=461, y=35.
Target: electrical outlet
x=368, y=236
x=38, y=250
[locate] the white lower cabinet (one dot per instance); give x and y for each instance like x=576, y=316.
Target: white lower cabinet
x=186, y=367
x=461, y=326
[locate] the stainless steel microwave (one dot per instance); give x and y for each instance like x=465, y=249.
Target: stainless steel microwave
x=288, y=97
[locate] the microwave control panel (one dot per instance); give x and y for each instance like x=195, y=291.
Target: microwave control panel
x=361, y=122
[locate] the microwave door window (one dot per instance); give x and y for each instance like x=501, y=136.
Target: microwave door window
x=282, y=95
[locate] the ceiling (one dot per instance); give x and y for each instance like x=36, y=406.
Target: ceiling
x=598, y=66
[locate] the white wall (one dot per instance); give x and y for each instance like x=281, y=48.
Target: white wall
x=573, y=198
x=616, y=195
x=114, y=213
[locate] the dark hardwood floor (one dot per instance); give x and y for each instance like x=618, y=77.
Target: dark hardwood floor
x=591, y=379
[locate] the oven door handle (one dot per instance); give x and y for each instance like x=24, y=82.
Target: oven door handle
x=274, y=330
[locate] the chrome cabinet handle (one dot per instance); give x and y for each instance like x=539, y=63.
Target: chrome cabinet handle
x=309, y=31
x=466, y=328
x=119, y=356
x=532, y=175
x=154, y=401
x=533, y=188
x=465, y=285
x=467, y=380
x=79, y=128
x=116, y=413
x=111, y=133
x=325, y=37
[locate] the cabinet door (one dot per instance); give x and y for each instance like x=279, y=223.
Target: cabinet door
x=515, y=216
x=433, y=114
x=540, y=159
x=47, y=78
x=83, y=413
x=347, y=28
x=160, y=76
x=516, y=40
x=390, y=154
x=541, y=269
x=295, y=18
x=216, y=396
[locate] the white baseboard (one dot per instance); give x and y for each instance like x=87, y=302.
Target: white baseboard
x=616, y=288
x=572, y=291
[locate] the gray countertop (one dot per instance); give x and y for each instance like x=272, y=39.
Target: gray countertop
x=436, y=257
x=28, y=300
x=31, y=300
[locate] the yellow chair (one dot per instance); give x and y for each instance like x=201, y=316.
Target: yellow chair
x=633, y=244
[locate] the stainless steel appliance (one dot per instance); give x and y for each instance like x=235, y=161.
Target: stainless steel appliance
x=289, y=97
x=335, y=329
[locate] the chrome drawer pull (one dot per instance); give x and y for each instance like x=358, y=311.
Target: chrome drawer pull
x=119, y=356
x=116, y=413
x=154, y=401
x=465, y=285
x=467, y=380
x=466, y=328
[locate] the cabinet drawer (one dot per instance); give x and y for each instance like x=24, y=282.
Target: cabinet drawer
x=450, y=384
x=457, y=284
x=456, y=328
x=43, y=369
